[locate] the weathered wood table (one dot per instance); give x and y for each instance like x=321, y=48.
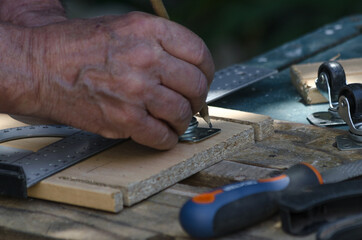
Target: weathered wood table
x=293, y=142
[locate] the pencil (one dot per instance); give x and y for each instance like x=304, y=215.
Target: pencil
x=159, y=8
x=161, y=11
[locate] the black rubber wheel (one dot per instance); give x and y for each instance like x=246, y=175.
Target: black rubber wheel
x=336, y=77
x=353, y=92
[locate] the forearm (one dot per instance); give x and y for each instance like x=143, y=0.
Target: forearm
x=31, y=13
x=18, y=89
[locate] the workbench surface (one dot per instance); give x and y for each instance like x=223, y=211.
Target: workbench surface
x=292, y=142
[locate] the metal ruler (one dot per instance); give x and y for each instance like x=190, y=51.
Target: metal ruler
x=235, y=77
x=21, y=169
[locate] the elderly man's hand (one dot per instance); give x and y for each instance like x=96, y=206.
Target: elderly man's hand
x=137, y=76
x=31, y=13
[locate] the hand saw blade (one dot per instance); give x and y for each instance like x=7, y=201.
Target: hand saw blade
x=342, y=172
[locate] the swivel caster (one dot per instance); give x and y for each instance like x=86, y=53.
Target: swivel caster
x=331, y=79
x=350, y=110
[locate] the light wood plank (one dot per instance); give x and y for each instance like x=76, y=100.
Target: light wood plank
x=139, y=172
x=263, y=125
x=78, y=193
x=304, y=75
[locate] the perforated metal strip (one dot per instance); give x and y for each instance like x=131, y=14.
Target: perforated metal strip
x=235, y=77
x=9, y=154
x=36, y=131
x=76, y=146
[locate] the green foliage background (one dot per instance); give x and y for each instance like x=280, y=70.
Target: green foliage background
x=235, y=30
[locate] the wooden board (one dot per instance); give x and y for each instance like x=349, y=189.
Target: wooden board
x=157, y=217
x=227, y=172
x=263, y=125
x=304, y=75
x=129, y=173
x=293, y=143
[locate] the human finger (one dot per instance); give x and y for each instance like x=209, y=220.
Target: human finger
x=171, y=107
x=186, y=79
x=155, y=134
x=134, y=121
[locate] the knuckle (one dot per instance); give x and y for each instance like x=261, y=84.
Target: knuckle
x=132, y=119
x=160, y=26
x=135, y=87
x=142, y=22
x=145, y=55
x=143, y=47
x=137, y=17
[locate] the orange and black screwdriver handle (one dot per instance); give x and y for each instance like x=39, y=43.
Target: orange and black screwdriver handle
x=236, y=206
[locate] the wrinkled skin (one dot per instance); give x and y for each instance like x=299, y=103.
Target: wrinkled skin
x=135, y=75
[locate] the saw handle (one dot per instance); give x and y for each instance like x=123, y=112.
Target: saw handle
x=305, y=211
x=236, y=206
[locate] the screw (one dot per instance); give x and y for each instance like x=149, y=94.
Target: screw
x=343, y=103
x=322, y=77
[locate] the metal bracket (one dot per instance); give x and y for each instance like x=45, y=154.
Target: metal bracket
x=346, y=142
x=197, y=134
x=353, y=140
x=322, y=119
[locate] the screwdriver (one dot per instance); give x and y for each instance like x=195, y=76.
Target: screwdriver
x=239, y=205
x=161, y=11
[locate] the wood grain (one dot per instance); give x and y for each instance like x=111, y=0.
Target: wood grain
x=139, y=172
x=293, y=143
x=157, y=216
x=227, y=172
